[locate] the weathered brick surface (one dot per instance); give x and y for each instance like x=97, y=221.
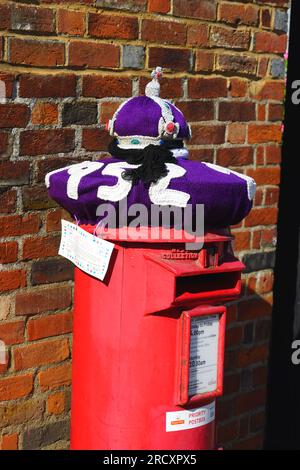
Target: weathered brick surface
x=66, y=66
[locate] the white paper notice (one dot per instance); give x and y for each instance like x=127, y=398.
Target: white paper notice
x=89, y=253
x=188, y=419
x=203, y=354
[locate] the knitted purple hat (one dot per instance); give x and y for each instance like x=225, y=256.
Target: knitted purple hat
x=149, y=119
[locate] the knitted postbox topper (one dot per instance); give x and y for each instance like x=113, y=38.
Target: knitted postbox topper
x=149, y=165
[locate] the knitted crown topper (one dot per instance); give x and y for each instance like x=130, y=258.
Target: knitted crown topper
x=149, y=119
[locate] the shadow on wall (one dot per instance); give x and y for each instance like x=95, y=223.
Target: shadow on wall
x=283, y=414
x=241, y=410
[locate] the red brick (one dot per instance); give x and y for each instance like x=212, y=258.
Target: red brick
x=263, y=330
x=8, y=199
x=107, y=110
x=260, y=156
x=236, y=133
x=226, y=409
x=43, y=247
x=227, y=432
x=5, y=15
x=197, y=35
x=53, y=220
x=236, y=14
x=55, y=377
x=49, y=164
x=163, y=32
x=204, y=61
x=9, y=442
x=197, y=111
x=170, y=87
x=238, y=64
x=95, y=139
x=262, y=70
x=11, y=280
x=47, y=86
x=159, y=6
x=13, y=115
x=261, y=112
x=37, y=354
x=105, y=86
x=37, y=198
x=35, y=20
x=263, y=176
x=4, y=141
x=8, y=79
x=206, y=9
x=44, y=114
x=272, y=196
x=273, y=154
x=234, y=336
x=15, y=225
x=257, y=421
x=51, y=325
x=266, y=17
x=13, y=173
x=270, y=42
x=260, y=375
x=15, y=387
x=276, y=112
x=175, y=59
x=208, y=134
x=262, y=216
x=252, y=356
x=202, y=155
x=253, y=308
x=229, y=38
x=242, y=240
x=244, y=427
x=45, y=142
x=12, y=332
x=37, y=53
x=261, y=283
x=260, y=133
x=71, y=22
x=56, y=403
x=51, y=270
x=250, y=400
x=93, y=55
x=107, y=26
x=207, y=87
x=231, y=384
x=268, y=238
x=235, y=156
x=236, y=111
x=231, y=313
x=238, y=87
x=21, y=412
x=266, y=90
x=8, y=252
x=43, y=300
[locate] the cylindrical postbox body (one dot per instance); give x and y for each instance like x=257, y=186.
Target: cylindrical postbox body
x=132, y=347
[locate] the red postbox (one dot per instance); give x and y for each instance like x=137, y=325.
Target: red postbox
x=149, y=339
x=148, y=345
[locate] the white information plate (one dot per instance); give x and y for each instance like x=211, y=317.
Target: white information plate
x=189, y=419
x=203, y=367
x=89, y=253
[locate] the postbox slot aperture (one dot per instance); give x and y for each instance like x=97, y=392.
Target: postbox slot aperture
x=207, y=285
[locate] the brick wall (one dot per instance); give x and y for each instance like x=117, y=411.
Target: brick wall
x=67, y=65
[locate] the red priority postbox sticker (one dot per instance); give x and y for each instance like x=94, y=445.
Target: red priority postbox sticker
x=188, y=419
